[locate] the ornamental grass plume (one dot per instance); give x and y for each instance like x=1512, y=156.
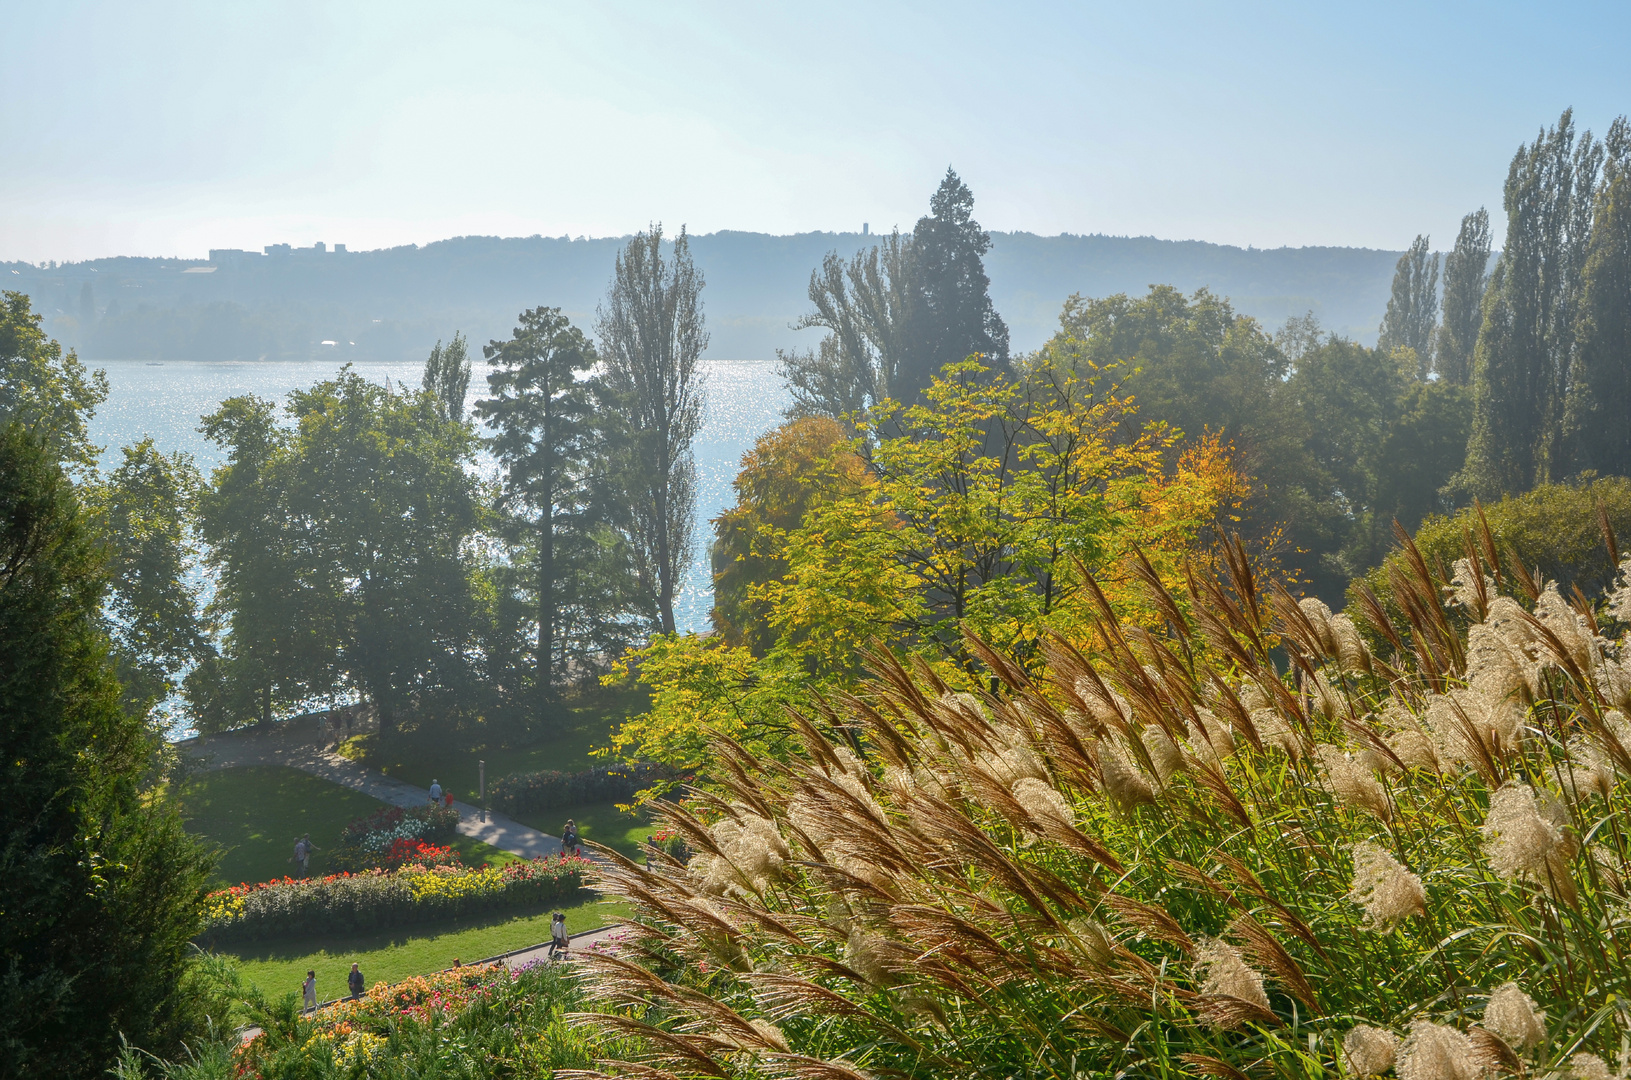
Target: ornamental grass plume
x=1352, y=783
x=1135, y=850
x=1369, y=1051
x=1387, y=891
x=1436, y=1052
x=1512, y=1015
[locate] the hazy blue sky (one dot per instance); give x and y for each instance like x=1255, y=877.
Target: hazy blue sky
x=160, y=129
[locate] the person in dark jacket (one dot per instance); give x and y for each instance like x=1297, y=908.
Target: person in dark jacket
x=355, y=980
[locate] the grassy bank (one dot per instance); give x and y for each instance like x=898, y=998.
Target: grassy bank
x=255, y=814
x=278, y=968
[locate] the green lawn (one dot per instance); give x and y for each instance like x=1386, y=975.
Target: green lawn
x=582, y=724
x=255, y=815
x=279, y=968
x=601, y=822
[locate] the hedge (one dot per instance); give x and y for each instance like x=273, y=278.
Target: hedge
x=378, y=900
x=522, y=793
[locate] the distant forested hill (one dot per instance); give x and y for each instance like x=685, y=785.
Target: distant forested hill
x=396, y=302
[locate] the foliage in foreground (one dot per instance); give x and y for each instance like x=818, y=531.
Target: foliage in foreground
x=356, y=903
x=99, y=885
x=1173, y=857
x=468, y=1024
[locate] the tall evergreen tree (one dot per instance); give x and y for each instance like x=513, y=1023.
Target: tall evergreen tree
x=100, y=888
x=652, y=335
x=953, y=316
x=447, y=376
x=1412, y=310
x=1599, y=414
x=1466, y=272
x=1521, y=366
x=553, y=449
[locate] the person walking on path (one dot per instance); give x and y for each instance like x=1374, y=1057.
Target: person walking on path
x=302, y=854
x=448, y=799
x=435, y=792
x=308, y=990
x=559, y=942
x=354, y=980
x=569, y=838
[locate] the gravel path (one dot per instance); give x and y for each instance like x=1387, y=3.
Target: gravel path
x=283, y=746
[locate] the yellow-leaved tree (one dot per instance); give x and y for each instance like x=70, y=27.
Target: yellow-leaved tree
x=980, y=508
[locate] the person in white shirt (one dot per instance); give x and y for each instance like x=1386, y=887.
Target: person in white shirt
x=435, y=792
x=308, y=989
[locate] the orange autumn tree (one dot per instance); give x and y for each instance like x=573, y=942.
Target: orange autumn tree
x=980, y=507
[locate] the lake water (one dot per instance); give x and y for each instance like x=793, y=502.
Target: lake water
x=745, y=399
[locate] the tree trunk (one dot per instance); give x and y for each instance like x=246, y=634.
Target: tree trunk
x=546, y=603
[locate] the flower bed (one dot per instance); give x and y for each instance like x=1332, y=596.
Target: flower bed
x=378, y=840
x=527, y=792
x=377, y=900
x=473, y=1021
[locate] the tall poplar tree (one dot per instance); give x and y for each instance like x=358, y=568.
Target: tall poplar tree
x=447, y=376
x=1599, y=413
x=552, y=450
x=1466, y=272
x=1521, y=366
x=652, y=336
x=1412, y=310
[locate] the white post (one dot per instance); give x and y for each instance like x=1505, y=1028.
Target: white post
x=482, y=764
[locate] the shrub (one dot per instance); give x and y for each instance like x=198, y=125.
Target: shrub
x=471, y=1022
x=1554, y=528
x=376, y=900
x=1245, y=845
x=524, y=793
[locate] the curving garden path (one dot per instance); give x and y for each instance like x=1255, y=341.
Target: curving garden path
x=284, y=745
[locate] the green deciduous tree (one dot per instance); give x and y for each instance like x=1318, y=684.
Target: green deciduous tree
x=1466, y=271
x=341, y=547
x=156, y=622
x=1521, y=366
x=652, y=336
x=1412, y=310
x=1599, y=413
x=100, y=889
x=45, y=388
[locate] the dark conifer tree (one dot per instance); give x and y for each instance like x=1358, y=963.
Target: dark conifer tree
x=953, y=316
x=1412, y=310
x=1466, y=272
x=1599, y=413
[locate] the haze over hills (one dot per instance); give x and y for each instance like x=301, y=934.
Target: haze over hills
x=395, y=303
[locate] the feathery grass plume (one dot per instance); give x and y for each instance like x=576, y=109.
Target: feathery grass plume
x=1210, y=739
x=1369, y=1051
x=1570, y=629
x=1619, y=600
x=1324, y=696
x=1042, y=802
x=1223, y=970
x=1436, y=1052
x=1523, y=838
x=1165, y=755
x=1387, y=891
x=1352, y=783
x=1276, y=733
x=1105, y=705
x=865, y=953
x=1127, y=787
x=1498, y=667
x=1416, y=749
x=1469, y=726
x=1512, y=1015
x=1589, y=1067
x=1463, y=591
x=1319, y=617
x=1585, y=771
x=1352, y=652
